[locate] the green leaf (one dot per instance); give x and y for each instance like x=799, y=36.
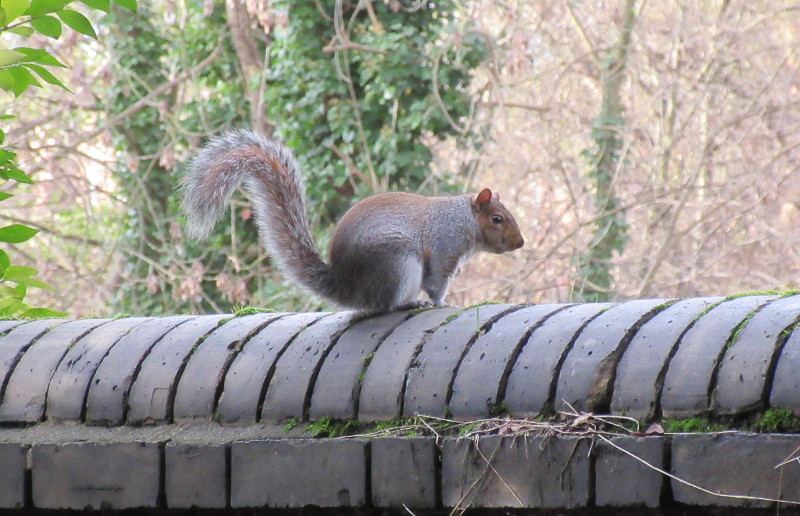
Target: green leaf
x=47, y=25
x=18, y=175
x=100, y=5
x=24, y=276
x=36, y=55
x=6, y=291
x=22, y=79
x=33, y=282
x=22, y=30
x=19, y=272
x=5, y=261
x=14, y=8
x=127, y=4
x=9, y=57
x=16, y=233
x=32, y=54
x=4, y=196
x=77, y=22
x=40, y=7
x=46, y=76
x=10, y=305
x=41, y=313
x=6, y=80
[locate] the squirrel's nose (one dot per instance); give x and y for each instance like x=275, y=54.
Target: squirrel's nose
x=519, y=243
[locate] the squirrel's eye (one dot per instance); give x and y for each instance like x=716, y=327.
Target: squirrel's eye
x=497, y=219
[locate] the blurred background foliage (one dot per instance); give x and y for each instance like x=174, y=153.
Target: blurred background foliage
x=146, y=52
x=648, y=149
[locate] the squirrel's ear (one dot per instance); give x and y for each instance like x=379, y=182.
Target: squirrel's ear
x=484, y=197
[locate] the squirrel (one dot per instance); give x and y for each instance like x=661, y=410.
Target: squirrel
x=385, y=249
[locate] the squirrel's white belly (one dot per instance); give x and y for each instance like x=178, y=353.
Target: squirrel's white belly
x=411, y=283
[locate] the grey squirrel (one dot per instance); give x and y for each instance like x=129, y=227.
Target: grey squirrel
x=385, y=249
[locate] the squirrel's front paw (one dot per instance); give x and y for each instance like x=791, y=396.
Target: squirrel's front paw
x=415, y=305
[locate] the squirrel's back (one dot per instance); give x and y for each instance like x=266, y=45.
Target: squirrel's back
x=388, y=241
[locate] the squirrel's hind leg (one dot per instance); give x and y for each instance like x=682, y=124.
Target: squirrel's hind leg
x=408, y=283
x=384, y=289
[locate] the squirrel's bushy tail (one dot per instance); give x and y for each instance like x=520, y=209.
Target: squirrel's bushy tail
x=270, y=174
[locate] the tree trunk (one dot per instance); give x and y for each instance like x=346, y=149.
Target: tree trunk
x=610, y=234
x=251, y=62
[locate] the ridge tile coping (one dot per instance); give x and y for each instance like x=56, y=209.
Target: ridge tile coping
x=535, y=373
x=479, y=381
x=153, y=391
x=744, y=368
x=338, y=384
x=296, y=370
x=599, y=340
x=197, y=388
x=14, y=343
x=384, y=381
x=109, y=389
x=636, y=388
x=431, y=374
x=251, y=370
x=786, y=380
x=7, y=325
x=69, y=386
x=26, y=390
x=687, y=384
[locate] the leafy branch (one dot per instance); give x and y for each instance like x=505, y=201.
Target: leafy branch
x=20, y=68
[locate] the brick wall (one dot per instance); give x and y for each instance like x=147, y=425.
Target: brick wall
x=189, y=410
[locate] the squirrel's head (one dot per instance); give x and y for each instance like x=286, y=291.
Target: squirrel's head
x=499, y=229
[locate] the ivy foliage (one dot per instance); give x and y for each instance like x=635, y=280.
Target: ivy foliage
x=148, y=52
x=356, y=91
x=23, y=67
x=610, y=232
x=607, y=162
